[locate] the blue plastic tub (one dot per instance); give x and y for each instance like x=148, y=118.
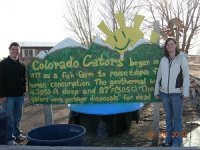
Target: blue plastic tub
x=57, y=135
x=105, y=109
x=3, y=126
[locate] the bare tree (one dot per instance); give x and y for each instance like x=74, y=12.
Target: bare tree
x=79, y=19
x=178, y=18
x=108, y=8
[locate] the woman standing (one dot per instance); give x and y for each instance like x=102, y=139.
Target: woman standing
x=172, y=86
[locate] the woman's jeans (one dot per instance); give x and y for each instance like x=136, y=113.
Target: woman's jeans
x=14, y=109
x=173, y=106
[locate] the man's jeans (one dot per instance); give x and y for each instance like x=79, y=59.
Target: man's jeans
x=14, y=109
x=173, y=106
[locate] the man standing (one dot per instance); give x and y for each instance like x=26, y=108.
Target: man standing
x=12, y=90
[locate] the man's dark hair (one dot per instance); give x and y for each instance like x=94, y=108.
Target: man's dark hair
x=166, y=53
x=13, y=44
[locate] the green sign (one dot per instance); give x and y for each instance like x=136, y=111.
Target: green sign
x=96, y=75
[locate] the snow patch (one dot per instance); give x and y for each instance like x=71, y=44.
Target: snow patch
x=68, y=42
x=100, y=42
x=41, y=55
x=140, y=42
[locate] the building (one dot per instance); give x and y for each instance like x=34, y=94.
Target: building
x=29, y=50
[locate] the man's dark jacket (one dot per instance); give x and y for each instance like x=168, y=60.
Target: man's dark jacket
x=12, y=78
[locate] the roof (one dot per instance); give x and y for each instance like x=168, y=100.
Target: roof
x=37, y=44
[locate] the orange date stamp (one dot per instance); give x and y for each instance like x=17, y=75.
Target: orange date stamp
x=174, y=134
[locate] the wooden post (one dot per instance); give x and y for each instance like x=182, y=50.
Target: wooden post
x=156, y=105
x=48, y=114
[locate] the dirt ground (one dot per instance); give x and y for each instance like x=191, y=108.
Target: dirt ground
x=137, y=136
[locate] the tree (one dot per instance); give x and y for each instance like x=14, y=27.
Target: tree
x=108, y=8
x=179, y=18
x=79, y=19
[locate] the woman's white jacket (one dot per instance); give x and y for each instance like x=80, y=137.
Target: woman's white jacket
x=173, y=76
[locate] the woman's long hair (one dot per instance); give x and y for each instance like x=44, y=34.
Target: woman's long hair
x=166, y=53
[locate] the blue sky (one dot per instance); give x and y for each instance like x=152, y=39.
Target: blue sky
x=31, y=20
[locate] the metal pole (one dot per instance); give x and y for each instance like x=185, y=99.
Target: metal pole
x=48, y=114
x=156, y=105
